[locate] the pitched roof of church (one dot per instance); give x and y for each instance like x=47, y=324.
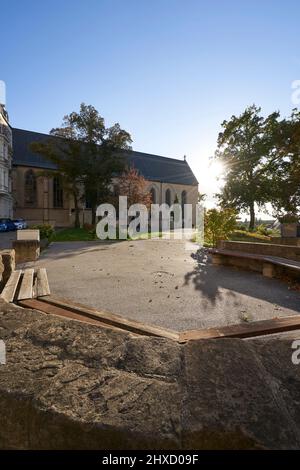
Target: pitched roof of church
x=152, y=167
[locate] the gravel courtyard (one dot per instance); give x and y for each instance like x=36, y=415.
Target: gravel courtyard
x=163, y=282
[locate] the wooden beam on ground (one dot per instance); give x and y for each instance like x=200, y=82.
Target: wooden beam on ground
x=26, y=288
x=111, y=319
x=66, y=309
x=61, y=312
x=8, y=293
x=42, y=283
x=245, y=330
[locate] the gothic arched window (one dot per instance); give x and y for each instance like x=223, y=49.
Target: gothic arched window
x=153, y=196
x=183, y=201
x=58, y=197
x=168, y=197
x=30, y=188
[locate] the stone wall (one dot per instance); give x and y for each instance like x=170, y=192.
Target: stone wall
x=69, y=385
x=268, y=249
x=44, y=212
x=286, y=240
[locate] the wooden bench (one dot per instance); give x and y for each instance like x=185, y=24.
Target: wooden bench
x=270, y=266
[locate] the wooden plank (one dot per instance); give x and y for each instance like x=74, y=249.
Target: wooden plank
x=112, y=319
x=245, y=330
x=42, y=283
x=49, y=309
x=34, y=287
x=10, y=288
x=26, y=289
x=259, y=328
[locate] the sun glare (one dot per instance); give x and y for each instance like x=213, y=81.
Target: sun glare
x=215, y=170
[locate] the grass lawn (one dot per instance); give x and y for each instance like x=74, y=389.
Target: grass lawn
x=241, y=236
x=73, y=235
x=81, y=234
x=244, y=236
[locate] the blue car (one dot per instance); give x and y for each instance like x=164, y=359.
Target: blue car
x=7, y=225
x=3, y=226
x=20, y=224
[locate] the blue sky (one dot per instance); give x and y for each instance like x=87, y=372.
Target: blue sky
x=170, y=71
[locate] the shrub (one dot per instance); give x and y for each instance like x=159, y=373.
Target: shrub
x=262, y=229
x=89, y=227
x=46, y=230
x=218, y=224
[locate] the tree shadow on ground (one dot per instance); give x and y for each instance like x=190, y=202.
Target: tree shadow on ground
x=211, y=281
x=60, y=250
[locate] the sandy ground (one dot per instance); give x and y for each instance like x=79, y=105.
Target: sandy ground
x=163, y=282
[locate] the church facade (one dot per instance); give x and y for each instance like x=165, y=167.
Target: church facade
x=40, y=199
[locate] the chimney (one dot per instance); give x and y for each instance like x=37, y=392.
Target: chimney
x=184, y=158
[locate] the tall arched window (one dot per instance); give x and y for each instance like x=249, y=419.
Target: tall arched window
x=30, y=188
x=183, y=201
x=168, y=197
x=58, y=197
x=153, y=196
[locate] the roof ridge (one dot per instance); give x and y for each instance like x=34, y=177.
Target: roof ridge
x=153, y=167
x=143, y=154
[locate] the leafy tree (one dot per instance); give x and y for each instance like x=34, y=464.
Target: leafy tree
x=285, y=168
x=218, y=224
x=245, y=148
x=87, y=155
x=102, y=145
x=135, y=187
x=66, y=154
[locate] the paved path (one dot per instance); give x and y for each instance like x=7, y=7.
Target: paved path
x=160, y=282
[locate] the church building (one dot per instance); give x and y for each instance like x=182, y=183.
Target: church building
x=25, y=191
x=6, y=200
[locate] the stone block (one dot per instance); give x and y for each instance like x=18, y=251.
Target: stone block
x=269, y=270
x=26, y=250
x=7, y=265
x=69, y=385
x=28, y=234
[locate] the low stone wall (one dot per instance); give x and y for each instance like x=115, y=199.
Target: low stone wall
x=69, y=385
x=295, y=241
x=268, y=249
x=26, y=250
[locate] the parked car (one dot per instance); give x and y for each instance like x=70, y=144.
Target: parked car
x=8, y=224
x=20, y=224
x=3, y=226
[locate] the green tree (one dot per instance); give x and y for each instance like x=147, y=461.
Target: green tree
x=285, y=168
x=87, y=155
x=102, y=156
x=245, y=148
x=218, y=224
x=66, y=154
